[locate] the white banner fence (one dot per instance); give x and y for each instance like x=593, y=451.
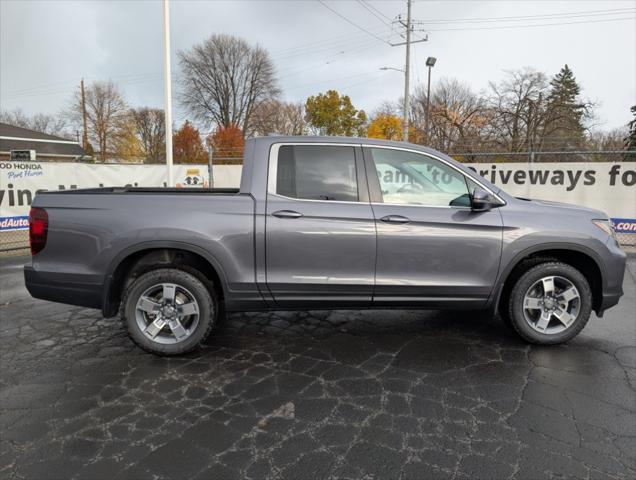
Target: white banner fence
x=606, y=186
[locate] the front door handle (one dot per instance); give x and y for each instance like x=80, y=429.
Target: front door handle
x=287, y=214
x=395, y=219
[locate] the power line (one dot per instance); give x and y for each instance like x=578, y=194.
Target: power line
x=326, y=49
x=332, y=59
x=547, y=16
x=503, y=27
x=366, y=7
x=377, y=10
x=351, y=22
x=310, y=45
x=370, y=80
x=320, y=82
x=68, y=83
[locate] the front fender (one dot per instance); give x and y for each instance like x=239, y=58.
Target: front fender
x=513, y=256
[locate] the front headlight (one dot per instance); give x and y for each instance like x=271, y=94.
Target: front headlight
x=606, y=226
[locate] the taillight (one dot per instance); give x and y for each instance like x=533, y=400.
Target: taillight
x=38, y=229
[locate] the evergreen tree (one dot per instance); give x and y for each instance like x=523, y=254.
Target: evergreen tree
x=564, y=129
x=630, y=139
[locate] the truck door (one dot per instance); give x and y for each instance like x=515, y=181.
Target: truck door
x=432, y=248
x=320, y=231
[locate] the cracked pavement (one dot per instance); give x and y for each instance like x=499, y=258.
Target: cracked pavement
x=332, y=394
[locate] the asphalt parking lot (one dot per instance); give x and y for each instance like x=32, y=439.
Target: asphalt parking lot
x=376, y=394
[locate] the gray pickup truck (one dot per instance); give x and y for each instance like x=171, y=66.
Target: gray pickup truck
x=323, y=223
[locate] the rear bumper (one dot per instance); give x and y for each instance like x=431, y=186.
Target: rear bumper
x=63, y=288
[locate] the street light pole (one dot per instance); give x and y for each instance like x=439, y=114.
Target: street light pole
x=405, y=119
x=430, y=63
x=408, y=26
x=167, y=89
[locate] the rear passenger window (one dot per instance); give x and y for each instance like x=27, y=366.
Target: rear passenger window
x=317, y=172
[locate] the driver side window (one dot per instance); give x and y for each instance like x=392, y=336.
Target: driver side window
x=417, y=179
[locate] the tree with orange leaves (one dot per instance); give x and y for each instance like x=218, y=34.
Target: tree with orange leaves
x=386, y=127
x=228, y=143
x=187, y=146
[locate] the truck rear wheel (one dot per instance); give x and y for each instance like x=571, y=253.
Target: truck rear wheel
x=550, y=303
x=168, y=311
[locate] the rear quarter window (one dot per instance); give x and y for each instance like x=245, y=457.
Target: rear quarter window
x=317, y=172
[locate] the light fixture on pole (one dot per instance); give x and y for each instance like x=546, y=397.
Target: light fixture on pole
x=391, y=68
x=167, y=89
x=430, y=63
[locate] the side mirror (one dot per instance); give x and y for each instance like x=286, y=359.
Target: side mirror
x=482, y=201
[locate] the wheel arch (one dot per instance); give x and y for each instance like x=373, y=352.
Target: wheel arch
x=142, y=258
x=583, y=259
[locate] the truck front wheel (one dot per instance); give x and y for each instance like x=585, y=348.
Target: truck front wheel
x=550, y=303
x=168, y=311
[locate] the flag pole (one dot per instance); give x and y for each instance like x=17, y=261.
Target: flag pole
x=167, y=89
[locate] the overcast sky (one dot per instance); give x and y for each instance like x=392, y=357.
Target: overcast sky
x=47, y=46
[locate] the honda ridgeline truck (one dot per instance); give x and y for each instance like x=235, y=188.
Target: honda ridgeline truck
x=323, y=223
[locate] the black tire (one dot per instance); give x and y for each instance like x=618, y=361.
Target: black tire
x=206, y=300
x=515, y=313
x=504, y=311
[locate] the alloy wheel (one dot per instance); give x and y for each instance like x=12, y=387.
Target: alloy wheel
x=551, y=305
x=167, y=313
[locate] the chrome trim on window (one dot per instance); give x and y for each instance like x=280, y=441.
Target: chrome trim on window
x=314, y=200
x=421, y=206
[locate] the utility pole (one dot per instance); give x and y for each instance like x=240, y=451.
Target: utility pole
x=167, y=89
x=530, y=134
x=428, y=102
x=407, y=71
x=533, y=113
x=85, y=133
x=408, y=26
x=210, y=165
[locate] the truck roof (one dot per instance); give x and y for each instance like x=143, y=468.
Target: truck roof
x=271, y=139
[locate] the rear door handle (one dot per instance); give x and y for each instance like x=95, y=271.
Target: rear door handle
x=395, y=219
x=287, y=214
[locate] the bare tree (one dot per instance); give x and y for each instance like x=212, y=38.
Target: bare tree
x=519, y=109
x=224, y=79
x=608, y=140
x=458, y=116
x=390, y=108
x=105, y=110
x=274, y=116
x=150, y=129
x=40, y=122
